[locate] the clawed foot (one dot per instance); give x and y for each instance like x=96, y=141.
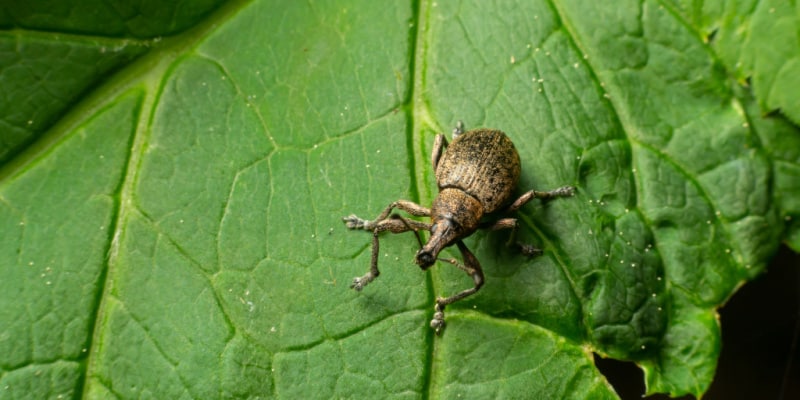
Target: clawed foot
x=458, y=130
x=566, y=191
x=354, y=222
x=529, y=250
x=437, y=323
x=361, y=281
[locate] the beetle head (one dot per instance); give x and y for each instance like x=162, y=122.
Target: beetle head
x=455, y=215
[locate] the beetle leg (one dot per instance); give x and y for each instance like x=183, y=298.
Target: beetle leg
x=458, y=130
x=360, y=281
x=528, y=249
x=438, y=146
x=354, y=222
x=511, y=223
x=503, y=223
x=393, y=223
x=472, y=267
x=441, y=142
x=413, y=226
x=399, y=224
x=565, y=191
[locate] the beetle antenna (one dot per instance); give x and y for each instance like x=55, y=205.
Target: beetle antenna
x=405, y=222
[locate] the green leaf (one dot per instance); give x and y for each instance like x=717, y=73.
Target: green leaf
x=757, y=41
x=173, y=182
x=44, y=76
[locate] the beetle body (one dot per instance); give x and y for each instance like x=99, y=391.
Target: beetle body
x=476, y=176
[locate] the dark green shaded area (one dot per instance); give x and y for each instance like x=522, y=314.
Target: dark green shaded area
x=42, y=77
x=117, y=18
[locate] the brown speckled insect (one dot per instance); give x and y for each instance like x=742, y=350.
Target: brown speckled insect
x=476, y=175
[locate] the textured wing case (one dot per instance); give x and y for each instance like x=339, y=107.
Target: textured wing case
x=483, y=163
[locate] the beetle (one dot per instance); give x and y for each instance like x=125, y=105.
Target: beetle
x=476, y=175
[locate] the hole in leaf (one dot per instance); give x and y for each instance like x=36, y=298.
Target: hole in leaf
x=760, y=356
x=626, y=378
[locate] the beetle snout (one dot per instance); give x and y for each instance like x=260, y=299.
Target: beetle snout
x=424, y=259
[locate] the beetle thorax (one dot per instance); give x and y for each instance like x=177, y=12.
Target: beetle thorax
x=455, y=215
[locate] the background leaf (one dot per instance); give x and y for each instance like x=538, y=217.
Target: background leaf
x=173, y=183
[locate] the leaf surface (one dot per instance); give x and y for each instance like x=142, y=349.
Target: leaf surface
x=172, y=216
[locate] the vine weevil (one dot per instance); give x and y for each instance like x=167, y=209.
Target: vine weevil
x=476, y=175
